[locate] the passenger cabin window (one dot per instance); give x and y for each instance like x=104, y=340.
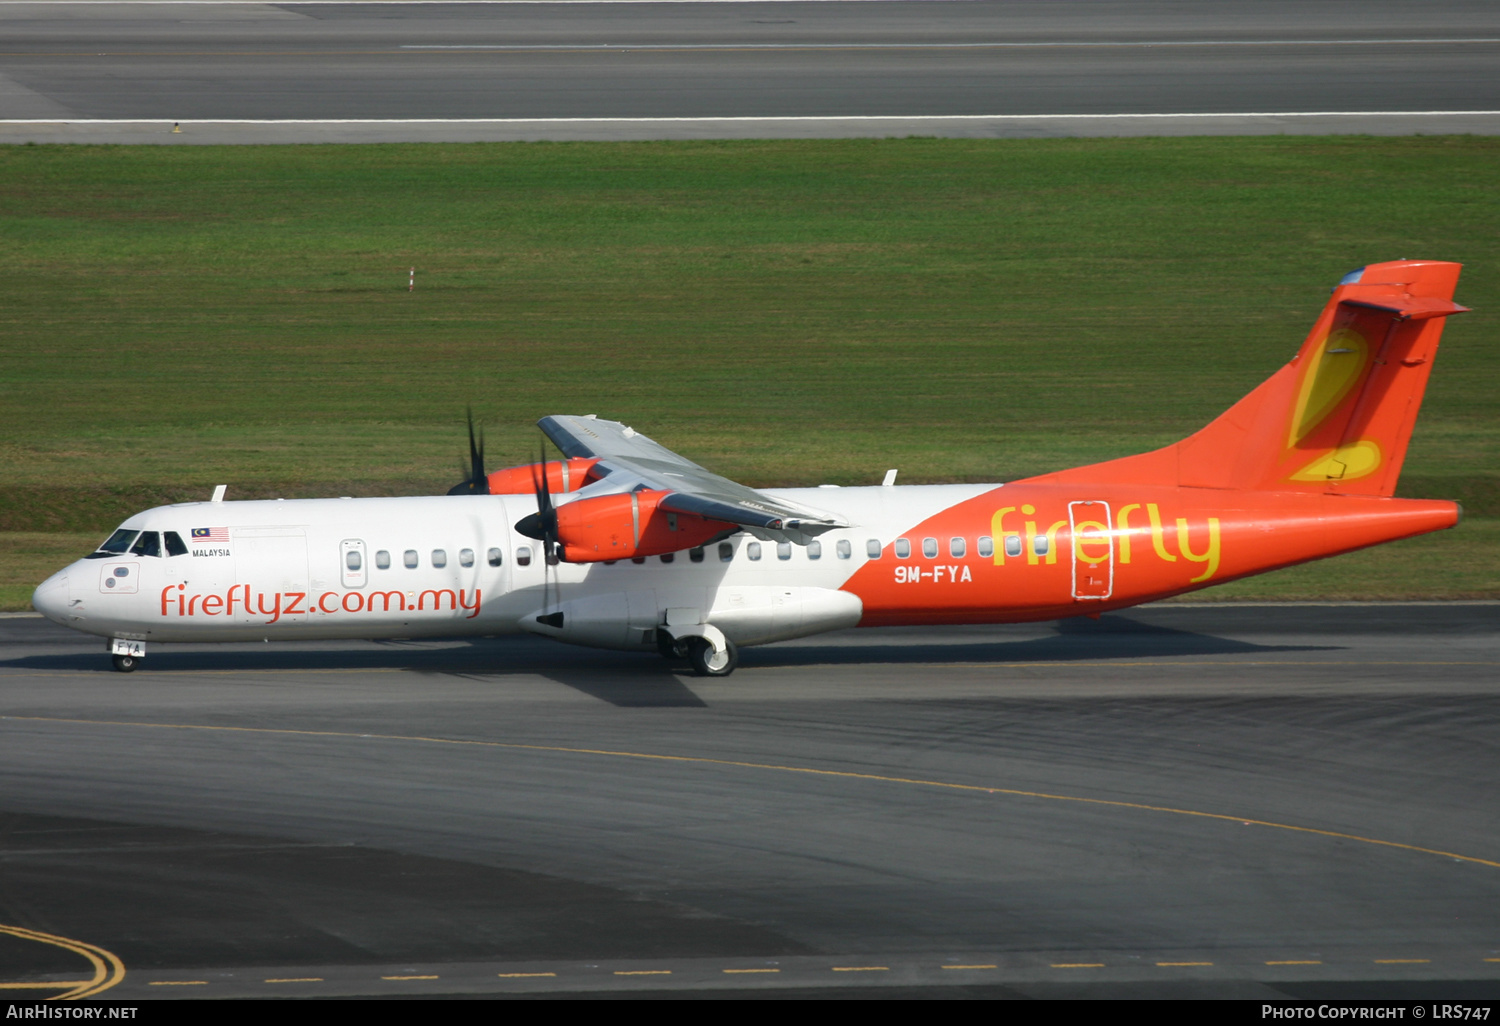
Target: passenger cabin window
x=523, y=555
x=1040, y=545
x=957, y=548
x=843, y=548
x=929, y=548
x=409, y=559
x=495, y=559
x=814, y=550
x=148, y=544
x=1012, y=544
x=352, y=560
x=175, y=546
x=752, y=550
x=382, y=560
x=986, y=546
x=696, y=555
x=903, y=548
x=726, y=551
x=872, y=548
x=439, y=558
x=783, y=550
x=465, y=557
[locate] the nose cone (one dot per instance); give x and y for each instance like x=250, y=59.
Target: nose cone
x=51, y=597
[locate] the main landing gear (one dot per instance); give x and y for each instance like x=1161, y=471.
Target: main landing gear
x=707, y=658
x=708, y=661
x=126, y=654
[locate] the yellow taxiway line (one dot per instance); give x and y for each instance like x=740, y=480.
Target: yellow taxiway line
x=108, y=970
x=764, y=766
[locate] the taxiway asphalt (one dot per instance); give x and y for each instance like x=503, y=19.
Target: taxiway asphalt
x=304, y=72
x=1252, y=801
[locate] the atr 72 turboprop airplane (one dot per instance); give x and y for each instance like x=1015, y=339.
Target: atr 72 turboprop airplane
x=644, y=550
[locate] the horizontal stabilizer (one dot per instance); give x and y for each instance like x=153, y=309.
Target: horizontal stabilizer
x=1412, y=308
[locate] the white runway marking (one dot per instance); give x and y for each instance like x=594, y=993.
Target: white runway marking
x=1058, y=44
x=406, y=3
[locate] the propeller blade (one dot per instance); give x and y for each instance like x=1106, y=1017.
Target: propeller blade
x=541, y=525
x=476, y=457
x=546, y=516
x=478, y=483
x=549, y=515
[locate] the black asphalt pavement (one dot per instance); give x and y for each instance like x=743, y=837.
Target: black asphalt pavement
x=1251, y=801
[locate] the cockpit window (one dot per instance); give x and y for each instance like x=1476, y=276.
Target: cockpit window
x=148, y=544
x=119, y=542
x=174, y=543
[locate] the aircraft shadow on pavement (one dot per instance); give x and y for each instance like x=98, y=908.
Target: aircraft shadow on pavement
x=627, y=679
x=644, y=679
x=1075, y=640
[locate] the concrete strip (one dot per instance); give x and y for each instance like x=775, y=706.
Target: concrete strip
x=1029, y=126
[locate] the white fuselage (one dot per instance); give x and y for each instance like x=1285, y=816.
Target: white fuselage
x=454, y=565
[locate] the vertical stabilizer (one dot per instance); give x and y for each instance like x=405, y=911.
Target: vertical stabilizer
x=1339, y=416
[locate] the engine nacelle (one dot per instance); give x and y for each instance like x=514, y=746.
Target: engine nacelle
x=627, y=526
x=562, y=476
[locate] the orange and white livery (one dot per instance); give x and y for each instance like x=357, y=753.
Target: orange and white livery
x=623, y=544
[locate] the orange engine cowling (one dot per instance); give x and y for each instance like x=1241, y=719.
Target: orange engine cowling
x=562, y=476
x=626, y=526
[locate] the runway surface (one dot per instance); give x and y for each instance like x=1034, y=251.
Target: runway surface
x=391, y=71
x=1231, y=801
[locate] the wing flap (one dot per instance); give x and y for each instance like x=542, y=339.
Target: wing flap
x=733, y=513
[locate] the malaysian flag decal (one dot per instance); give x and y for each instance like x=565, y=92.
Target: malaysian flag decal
x=207, y=535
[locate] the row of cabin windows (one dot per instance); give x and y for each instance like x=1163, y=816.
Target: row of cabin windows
x=152, y=543
x=958, y=548
x=438, y=559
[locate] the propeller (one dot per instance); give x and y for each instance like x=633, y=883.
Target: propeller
x=477, y=482
x=542, y=525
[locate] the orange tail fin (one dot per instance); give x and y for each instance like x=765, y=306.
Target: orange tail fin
x=1338, y=417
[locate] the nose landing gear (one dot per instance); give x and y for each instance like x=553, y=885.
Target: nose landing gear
x=127, y=654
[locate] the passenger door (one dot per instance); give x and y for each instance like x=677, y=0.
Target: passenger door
x=352, y=560
x=1093, y=544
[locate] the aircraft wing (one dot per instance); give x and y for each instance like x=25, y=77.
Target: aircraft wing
x=630, y=460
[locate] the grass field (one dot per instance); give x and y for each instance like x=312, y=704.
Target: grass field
x=783, y=312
